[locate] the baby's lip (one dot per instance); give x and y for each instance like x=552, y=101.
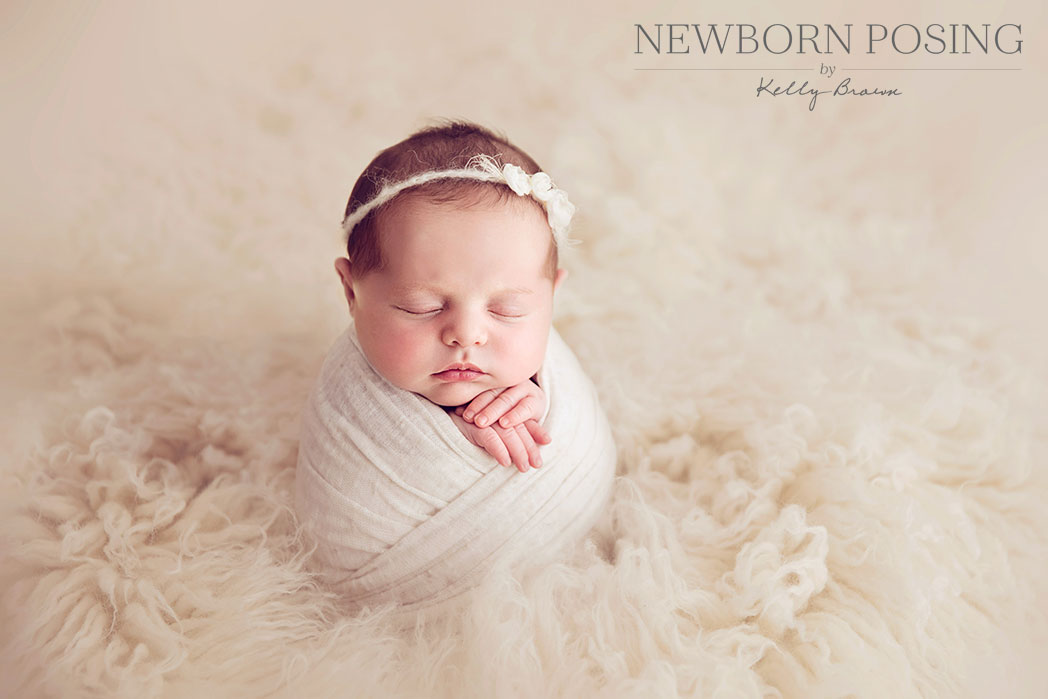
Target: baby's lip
x=460, y=366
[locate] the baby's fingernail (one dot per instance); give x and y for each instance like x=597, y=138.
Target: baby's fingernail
x=481, y=421
x=504, y=422
x=468, y=414
x=538, y=462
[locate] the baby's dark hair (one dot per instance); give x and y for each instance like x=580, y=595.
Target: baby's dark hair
x=446, y=146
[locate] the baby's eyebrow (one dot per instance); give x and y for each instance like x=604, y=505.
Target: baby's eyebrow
x=422, y=288
x=514, y=290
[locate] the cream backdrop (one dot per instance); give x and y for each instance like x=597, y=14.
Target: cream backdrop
x=818, y=337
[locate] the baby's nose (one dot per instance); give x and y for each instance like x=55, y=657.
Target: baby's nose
x=464, y=329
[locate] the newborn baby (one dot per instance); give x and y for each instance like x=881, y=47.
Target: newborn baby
x=450, y=284
x=450, y=367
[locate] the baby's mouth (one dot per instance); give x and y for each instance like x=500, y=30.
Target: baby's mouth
x=460, y=372
x=461, y=367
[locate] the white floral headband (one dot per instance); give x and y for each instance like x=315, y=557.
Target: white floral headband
x=486, y=169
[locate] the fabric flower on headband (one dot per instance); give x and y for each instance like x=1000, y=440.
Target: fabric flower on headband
x=540, y=186
x=559, y=210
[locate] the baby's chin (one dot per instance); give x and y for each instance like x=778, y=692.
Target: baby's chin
x=452, y=395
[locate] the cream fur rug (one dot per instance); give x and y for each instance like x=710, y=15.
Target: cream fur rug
x=832, y=481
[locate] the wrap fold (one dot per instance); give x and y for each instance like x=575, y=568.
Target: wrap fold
x=403, y=508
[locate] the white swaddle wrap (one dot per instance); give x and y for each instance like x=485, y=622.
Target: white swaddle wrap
x=403, y=508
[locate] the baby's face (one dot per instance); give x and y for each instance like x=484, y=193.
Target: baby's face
x=461, y=286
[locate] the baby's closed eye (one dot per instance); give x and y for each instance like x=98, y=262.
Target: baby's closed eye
x=419, y=310
x=508, y=311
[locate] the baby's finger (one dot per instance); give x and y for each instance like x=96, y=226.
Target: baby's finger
x=525, y=409
x=518, y=452
x=529, y=445
x=479, y=403
x=538, y=432
x=493, y=444
x=498, y=407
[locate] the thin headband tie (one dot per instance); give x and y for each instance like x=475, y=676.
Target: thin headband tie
x=484, y=168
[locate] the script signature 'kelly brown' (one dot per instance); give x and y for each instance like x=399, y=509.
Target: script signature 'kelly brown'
x=844, y=88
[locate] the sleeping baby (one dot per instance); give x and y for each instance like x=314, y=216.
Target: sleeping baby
x=449, y=368
x=450, y=283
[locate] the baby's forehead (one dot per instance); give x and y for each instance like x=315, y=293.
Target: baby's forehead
x=395, y=212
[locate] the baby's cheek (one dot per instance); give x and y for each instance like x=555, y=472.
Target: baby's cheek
x=528, y=352
x=403, y=356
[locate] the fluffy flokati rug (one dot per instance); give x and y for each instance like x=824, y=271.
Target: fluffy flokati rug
x=830, y=483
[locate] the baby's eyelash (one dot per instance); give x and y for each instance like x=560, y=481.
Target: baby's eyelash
x=417, y=313
x=431, y=311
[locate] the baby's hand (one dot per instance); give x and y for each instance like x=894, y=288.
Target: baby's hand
x=510, y=406
x=517, y=445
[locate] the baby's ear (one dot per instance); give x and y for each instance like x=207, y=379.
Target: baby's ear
x=345, y=273
x=559, y=277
